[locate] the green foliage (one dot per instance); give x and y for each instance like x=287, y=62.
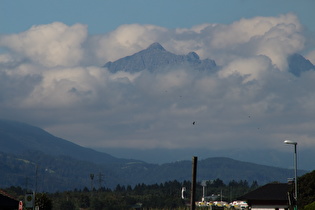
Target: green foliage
x=306, y=189
x=310, y=206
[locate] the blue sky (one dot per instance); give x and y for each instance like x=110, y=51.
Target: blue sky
x=51, y=75
x=103, y=16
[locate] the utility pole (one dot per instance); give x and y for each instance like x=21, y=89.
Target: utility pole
x=193, y=183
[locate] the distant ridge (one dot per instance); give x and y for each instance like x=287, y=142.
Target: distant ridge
x=156, y=57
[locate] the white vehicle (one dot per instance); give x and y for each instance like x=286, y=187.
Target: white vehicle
x=239, y=204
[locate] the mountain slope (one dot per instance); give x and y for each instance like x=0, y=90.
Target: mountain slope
x=156, y=57
x=17, y=137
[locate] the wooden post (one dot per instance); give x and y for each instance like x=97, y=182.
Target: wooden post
x=193, y=183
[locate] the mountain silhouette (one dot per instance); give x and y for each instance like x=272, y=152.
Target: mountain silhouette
x=156, y=57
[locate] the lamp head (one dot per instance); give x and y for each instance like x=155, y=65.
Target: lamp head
x=290, y=142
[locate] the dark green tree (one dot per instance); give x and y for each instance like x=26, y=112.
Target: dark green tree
x=84, y=201
x=306, y=190
x=43, y=201
x=217, y=183
x=69, y=205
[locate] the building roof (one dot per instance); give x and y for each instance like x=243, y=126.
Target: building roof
x=7, y=201
x=270, y=192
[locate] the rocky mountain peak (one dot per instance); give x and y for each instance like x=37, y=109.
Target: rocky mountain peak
x=156, y=57
x=156, y=46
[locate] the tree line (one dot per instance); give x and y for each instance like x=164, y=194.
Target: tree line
x=167, y=195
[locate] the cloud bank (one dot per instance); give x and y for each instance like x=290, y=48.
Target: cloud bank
x=52, y=76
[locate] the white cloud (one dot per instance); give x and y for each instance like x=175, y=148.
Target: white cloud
x=250, y=68
x=63, y=87
x=51, y=76
x=244, y=30
x=50, y=45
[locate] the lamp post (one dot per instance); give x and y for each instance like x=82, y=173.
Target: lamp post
x=295, y=168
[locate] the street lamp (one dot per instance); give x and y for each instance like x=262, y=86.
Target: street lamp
x=295, y=167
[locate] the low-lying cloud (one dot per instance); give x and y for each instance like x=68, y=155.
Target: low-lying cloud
x=52, y=76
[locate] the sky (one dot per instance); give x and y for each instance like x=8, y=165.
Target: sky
x=51, y=75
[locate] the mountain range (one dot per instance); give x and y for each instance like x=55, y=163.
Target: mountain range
x=155, y=58
x=32, y=158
